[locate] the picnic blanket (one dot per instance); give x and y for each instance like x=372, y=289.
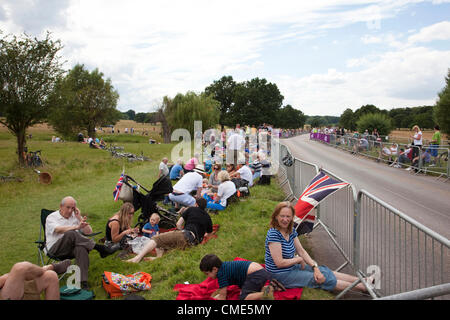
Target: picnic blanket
x=204, y=290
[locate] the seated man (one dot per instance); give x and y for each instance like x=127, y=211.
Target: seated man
x=191, y=181
x=250, y=276
x=26, y=281
x=244, y=172
x=403, y=157
x=390, y=152
x=426, y=158
x=363, y=145
x=177, y=170
x=197, y=224
x=64, y=241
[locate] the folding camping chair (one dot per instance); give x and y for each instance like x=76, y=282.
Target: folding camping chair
x=41, y=242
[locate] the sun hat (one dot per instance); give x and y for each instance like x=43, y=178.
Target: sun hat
x=199, y=169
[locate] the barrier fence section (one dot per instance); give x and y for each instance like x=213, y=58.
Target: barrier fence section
x=373, y=236
x=430, y=158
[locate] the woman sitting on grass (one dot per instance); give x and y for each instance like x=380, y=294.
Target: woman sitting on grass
x=119, y=225
x=294, y=271
x=226, y=189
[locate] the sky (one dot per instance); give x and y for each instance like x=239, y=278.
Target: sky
x=324, y=56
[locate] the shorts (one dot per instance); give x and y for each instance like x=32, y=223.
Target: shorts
x=30, y=291
x=254, y=282
x=299, y=278
x=434, y=150
x=171, y=240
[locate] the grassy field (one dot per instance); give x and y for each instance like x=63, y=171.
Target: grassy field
x=90, y=176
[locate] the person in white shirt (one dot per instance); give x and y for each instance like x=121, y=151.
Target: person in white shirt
x=189, y=182
x=417, y=141
x=163, y=169
x=226, y=189
x=235, y=144
x=244, y=172
x=64, y=240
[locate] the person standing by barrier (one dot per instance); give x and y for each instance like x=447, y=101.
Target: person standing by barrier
x=296, y=271
x=417, y=141
x=435, y=143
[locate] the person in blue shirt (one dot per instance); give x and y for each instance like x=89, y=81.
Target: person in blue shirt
x=177, y=171
x=290, y=264
x=151, y=228
x=250, y=276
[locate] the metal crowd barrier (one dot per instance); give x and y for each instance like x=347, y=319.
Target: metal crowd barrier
x=427, y=163
x=373, y=236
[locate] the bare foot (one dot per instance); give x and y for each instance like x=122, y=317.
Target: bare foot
x=149, y=258
x=133, y=260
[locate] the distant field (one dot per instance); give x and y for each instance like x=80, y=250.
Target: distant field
x=121, y=125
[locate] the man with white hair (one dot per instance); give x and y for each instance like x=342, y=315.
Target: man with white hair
x=64, y=234
x=163, y=169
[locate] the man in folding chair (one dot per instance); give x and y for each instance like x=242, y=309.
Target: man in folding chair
x=65, y=232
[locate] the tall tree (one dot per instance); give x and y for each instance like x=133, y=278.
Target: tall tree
x=347, y=120
x=29, y=69
x=223, y=91
x=442, y=108
x=83, y=100
x=290, y=118
x=255, y=102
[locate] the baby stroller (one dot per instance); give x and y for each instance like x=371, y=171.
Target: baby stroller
x=148, y=202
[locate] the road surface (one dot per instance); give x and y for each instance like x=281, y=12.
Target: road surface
x=423, y=198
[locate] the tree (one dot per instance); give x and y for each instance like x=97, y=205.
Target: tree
x=256, y=102
x=29, y=69
x=442, y=108
x=380, y=121
x=368, y=108
x=82, y=101
x=182, y=110
x=290, y=118
x=347, y=120
x=223, y=91
x=191, y=107
x=131, y=114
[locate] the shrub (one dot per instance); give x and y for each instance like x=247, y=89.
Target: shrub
x=380, y=121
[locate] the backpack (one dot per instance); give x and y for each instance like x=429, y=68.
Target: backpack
x=117, y=285
x=66, y=293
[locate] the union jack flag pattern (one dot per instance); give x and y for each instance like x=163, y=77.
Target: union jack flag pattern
x=318, y=189
x=118, y=187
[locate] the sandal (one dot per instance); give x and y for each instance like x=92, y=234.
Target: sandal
x=277, y=285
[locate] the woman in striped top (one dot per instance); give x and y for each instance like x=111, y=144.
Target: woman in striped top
x=295, y=271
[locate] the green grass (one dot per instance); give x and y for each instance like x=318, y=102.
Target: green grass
x=90, y=176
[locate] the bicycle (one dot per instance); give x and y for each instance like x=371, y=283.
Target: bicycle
x=33, y=158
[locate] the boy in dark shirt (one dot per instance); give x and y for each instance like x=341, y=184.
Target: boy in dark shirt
x=250, y=276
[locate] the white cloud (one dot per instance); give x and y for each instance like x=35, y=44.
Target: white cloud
x=404, y=78
x=150, y=49
x=438, y=31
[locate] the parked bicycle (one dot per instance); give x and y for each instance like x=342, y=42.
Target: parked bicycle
x=33, y=158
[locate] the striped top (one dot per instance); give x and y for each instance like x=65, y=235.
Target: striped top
x=232, y=272
x=287, y=248
x=256, y=165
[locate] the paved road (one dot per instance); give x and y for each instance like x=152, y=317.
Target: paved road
x=423, y=198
